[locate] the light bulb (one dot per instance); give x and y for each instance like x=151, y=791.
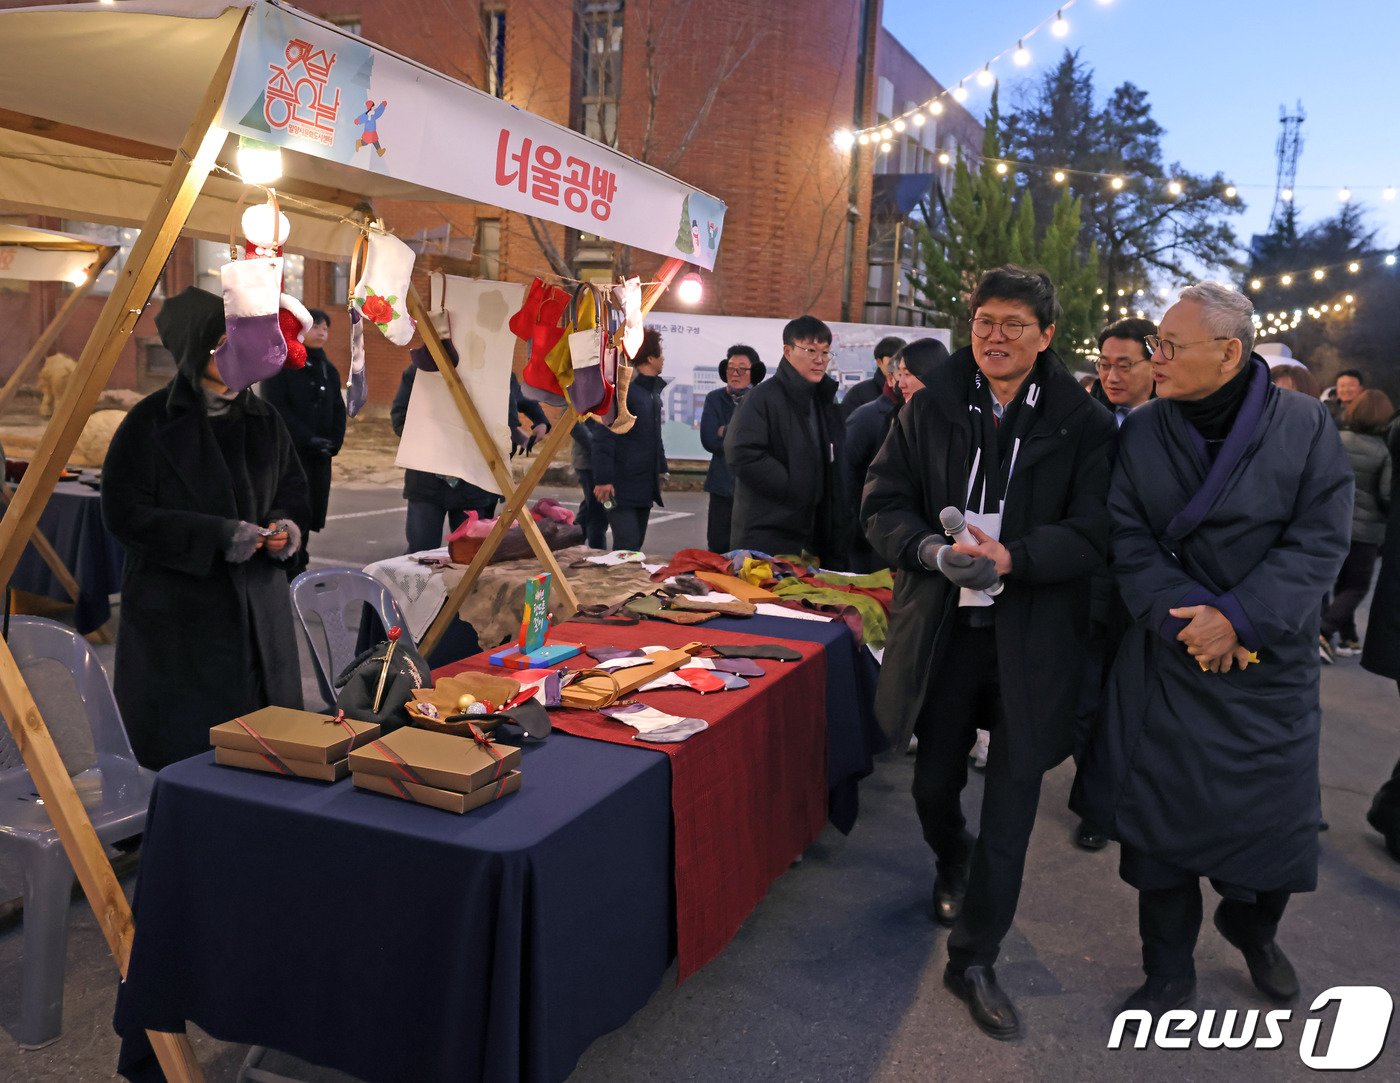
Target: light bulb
x=1286, y=195
x=843, y=139
x=78, y=278
x=1390, y=260
x=864, y=139
x=1116, y=184
x=1105, y=308
x=1344, y=195
x=1230, y=191
x=935, y=108
x=944, y=159
x=886, y=134
x=1060, y=27
x=1059, y=176
x=1389, y=193
x=1175, y=188
x=984, y=77
x=1319, y=274
x=917, y=120
x=884, y=148
x=960, y=93
x=691, y=290
x=1255, y=284
x=1353, y=266
x=1022, y=56
x=1001, y=168
x=1122, y=292
x=1350, y=299
x=258, y=163
x=1286, y=280
x=1099, y=291
x=899, y=125
x=262, y=229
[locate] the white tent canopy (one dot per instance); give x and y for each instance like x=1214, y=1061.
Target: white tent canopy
x=94, y=98
x=42, y=255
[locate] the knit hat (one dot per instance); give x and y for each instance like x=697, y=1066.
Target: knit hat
x=190, y=325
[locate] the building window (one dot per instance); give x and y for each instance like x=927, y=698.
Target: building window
x=600, y=39
x=884, y=98
x=493, y=38
x=122, y=237
x=488, y=248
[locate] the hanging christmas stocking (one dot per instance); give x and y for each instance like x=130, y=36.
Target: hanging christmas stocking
x=356, y=388
x=255, y=349
x=380, y=294
x=629, y=299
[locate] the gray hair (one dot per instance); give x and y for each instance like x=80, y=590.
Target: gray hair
x=1227, y=312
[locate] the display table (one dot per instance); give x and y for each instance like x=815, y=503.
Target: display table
x=398, y=942
x=72, y=521
x=748, y=794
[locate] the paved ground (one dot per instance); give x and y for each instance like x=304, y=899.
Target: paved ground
x=836, y=975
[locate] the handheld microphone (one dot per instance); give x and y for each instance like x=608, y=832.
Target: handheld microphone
x=955, y=526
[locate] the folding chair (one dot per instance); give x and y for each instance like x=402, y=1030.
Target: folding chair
x=337, y=597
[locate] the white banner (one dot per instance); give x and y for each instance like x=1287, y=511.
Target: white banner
x=695, y=345
x=435, y=438
x=321, y=91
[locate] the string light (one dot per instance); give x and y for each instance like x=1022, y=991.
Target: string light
x=1344, y=195
x=943, y=158
x=917, y=120
x=1286, y=195
x=1231, y=191
x=1059, y=176
x=863, y=138
x=1390, y=260
x=1116, y=184
x=1286, y=280
x=1388, y=194
x=960, y=93
x=985, y=76
x=1022, y=56
x=935, y=108
x=1353, y=266
x=1002, y=168
x=1256, y=284
x=1174, y=187
x=1060, y=27
x=843, y=139
x=1318, y=274
x=885, y=148
x=898, y=125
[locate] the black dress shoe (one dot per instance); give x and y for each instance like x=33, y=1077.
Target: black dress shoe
x=991, y=1009
x=1090, y=838
x=1273, y=974
x=948, y=892
x=1157, y=996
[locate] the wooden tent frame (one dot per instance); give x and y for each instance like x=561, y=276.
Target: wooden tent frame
x=194, y=160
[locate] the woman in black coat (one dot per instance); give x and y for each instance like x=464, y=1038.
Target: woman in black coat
x=312, y=408
x=627, y=467
x=739, y=370
x=203, y=489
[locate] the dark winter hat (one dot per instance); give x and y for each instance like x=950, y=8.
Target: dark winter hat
x=190, y=325
x=756, y=369
x=922, y=356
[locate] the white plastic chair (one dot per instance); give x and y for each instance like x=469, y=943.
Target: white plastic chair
x=115, y=791
x=336, y=597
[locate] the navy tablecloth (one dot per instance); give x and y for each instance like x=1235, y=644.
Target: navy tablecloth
x=72, y=521
x=399, y=942
x=852, y=735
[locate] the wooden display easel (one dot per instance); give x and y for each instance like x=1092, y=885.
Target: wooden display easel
x=516, y=496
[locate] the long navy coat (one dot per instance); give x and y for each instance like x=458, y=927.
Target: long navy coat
x=1216, y=774
x=717, y=414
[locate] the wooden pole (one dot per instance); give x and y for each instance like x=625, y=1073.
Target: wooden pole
x=195, y=158
x=517, y=500
x=52, y=331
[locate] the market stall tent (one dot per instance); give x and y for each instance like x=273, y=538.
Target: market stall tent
x=134, y=114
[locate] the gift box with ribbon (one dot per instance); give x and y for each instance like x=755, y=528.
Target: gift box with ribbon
x=283, y=741
x=441, y=761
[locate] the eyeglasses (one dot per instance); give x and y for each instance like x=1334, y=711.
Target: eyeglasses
x=1169, y=348
x=737, y=368
x=824, y=356
x=1122, y=368
x=982, y=327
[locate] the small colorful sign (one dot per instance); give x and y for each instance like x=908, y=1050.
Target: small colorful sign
x=535, y=622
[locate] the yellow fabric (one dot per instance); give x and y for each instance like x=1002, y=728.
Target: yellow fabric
x=756, y=572
x=559, y=360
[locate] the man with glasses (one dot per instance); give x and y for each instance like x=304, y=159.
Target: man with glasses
x=987, y=635
x=1231, y=509
x=739, y=370
x=784, y=449
x=1124, y=366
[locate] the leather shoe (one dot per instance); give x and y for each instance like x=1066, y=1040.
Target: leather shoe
x=948, y=892
x=1157, y=996
x=1273, y=974
x=1090, y=838
x=991, y=1009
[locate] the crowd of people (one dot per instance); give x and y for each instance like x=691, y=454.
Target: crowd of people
x=1146, y=577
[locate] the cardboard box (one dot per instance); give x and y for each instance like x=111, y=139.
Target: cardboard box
x=440, y=759
x=293, y=735
x=449, y=800
x=258, y=761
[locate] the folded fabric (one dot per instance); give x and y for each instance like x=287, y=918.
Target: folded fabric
x=880, y=580
x=623, y=662
x=775, y=651
x=790, y=612
x=872, y=613
x=756, y=572
x=654, y=725
x=725, y=604
x=699, y=680
x=689, y=560
x=606, y=654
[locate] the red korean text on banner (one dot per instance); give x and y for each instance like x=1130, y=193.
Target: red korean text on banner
x=604, y=189
x=295, y=99
x=546, y=174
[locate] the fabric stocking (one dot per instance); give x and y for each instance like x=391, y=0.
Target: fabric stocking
x=255, y=349
x=380, y=294
x=356, y=388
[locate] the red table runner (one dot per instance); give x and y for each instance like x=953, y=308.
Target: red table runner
x=748, y=794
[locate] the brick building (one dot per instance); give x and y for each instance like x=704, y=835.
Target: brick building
x=738, y=99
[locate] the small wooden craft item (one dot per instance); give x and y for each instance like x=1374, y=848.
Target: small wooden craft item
x=602, y=689
x=740, y=588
